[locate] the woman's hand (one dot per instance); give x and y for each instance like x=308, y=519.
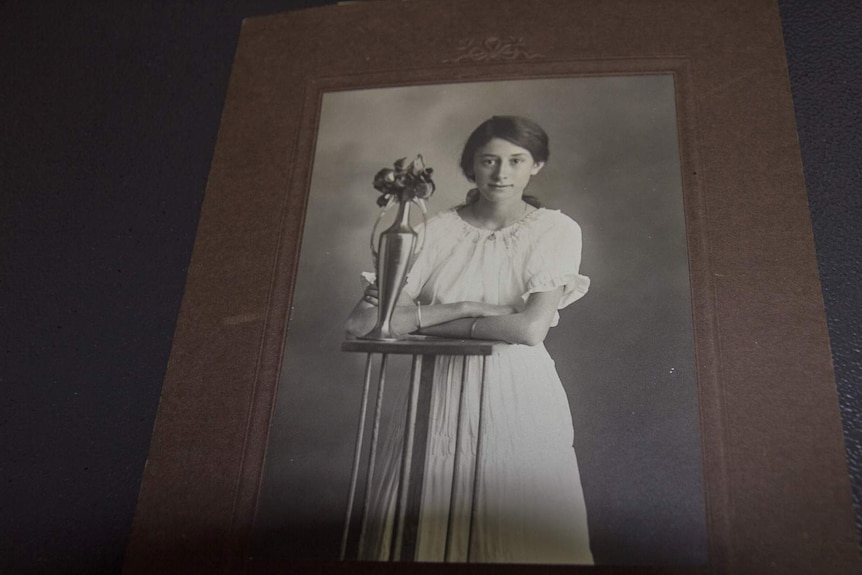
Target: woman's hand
x=372, y=295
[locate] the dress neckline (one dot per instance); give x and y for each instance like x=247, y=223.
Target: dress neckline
x=504, y=230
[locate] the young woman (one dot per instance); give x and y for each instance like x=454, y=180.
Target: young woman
x=497, y=267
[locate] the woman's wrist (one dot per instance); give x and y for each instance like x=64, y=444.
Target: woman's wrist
x=472, y=333
x=468, y=309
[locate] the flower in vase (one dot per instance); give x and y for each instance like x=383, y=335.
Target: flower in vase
x=404, y=182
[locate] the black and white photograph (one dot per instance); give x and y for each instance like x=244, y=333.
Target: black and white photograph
x=534, y=230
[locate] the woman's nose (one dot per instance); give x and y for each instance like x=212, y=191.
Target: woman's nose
x=500, y=171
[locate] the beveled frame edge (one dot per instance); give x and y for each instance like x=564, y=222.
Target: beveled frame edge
x=284, y=275
x=282, y=285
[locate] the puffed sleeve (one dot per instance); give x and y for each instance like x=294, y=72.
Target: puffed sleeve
x=555, y=260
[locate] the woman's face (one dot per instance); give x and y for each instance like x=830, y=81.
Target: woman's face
x=502, y=170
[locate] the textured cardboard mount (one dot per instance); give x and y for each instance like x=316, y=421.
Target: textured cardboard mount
x=777, y=491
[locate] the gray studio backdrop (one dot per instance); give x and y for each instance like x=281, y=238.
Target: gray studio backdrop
x=624, y=352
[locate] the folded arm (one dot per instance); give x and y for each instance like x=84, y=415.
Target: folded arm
x=405, y=318
x=528, y=327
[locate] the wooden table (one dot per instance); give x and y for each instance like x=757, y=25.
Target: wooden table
x=424, y=351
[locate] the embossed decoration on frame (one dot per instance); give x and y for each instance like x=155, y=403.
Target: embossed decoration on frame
x=492, y=49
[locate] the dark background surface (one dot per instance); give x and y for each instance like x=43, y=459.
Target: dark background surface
x=108, y=120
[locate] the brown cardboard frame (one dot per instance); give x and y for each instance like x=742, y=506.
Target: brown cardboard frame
x=777, y=490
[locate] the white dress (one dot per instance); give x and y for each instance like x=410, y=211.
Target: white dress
x=530, y=506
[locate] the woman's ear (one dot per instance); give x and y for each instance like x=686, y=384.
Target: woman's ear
x=536, y=167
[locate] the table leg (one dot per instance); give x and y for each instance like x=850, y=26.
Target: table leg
x=479, y=467
x=357, y=453
x=454, y=500
x=414, y=470
x=375, y=432
x=404, y=479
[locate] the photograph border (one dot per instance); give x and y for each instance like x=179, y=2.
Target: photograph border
x=301, y=186
x=208, y=447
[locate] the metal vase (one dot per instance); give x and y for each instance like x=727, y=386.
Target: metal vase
x=394, y=257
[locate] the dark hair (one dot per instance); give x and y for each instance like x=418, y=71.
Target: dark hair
x=520, y=131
